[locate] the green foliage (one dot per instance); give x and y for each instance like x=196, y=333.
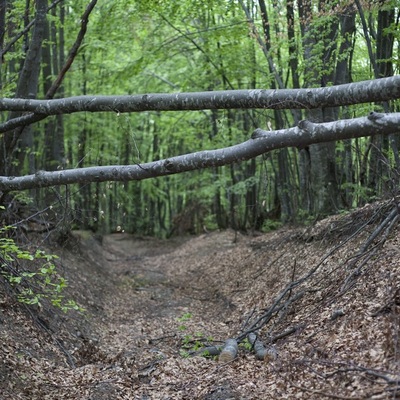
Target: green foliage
x=194, y=342
x=184, y=318
x=38, y=284
x=137, y=46
x=271, y=225
x=305, y=218
x=246, y=345
x=361, y=194
x=191, y=342
x=243, y=186
x=21, y=198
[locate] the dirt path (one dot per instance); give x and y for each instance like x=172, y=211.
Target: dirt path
x=149, y=302
x=164, y=301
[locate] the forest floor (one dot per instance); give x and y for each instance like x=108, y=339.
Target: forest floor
x=149, y=302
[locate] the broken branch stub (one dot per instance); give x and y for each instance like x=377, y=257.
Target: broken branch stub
x=264, y=353
x=229, y=351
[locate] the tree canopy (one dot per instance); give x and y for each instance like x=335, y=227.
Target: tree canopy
x=87, y=90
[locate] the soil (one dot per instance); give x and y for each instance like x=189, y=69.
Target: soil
x=151, y=304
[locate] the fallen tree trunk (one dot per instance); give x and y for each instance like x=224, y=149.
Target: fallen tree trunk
x=262, y=142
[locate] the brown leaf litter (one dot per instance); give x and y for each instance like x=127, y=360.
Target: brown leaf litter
x=150, y=302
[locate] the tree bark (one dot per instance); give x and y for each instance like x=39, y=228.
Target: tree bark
x=325, y=191
x=347, y=30
x=3, y=7
x=262, y=142
x=27, y=87
x=376, y=90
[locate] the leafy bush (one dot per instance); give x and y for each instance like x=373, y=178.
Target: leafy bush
x=32, y=276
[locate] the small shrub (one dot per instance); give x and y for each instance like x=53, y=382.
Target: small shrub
x=39, y=282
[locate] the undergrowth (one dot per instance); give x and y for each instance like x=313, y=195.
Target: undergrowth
x=32, y=277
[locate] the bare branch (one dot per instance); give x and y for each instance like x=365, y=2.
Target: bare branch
x=262, y=142
x=262, y=43
x=376, y=90
x=388, y=222
x=73, y=52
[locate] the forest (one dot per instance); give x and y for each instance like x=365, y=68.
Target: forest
x=66, y=49
x=199, y=199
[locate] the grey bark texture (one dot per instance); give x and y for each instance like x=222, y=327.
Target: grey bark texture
x=229, y=351
x=352, y=93
x=261, y=142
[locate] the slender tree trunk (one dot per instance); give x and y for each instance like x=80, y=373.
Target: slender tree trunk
x=347, y=30
x=3, y=7
x=217, y=206
x=324, y=186
x=381, y=62
x=384, y=56
x=384, y=43
x=293, y=54
x=285, y=190
x=53, y=143
x=57, y=155
x=27, y=87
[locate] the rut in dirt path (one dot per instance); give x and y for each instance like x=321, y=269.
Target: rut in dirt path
x=156, y=287
x=144, y=285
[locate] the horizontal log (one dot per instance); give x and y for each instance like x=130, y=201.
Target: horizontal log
x=265, y=353
x=206, y=351
x=229, y=351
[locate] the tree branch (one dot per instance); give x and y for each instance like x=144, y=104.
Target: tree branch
x=353, y=93
x=262, y=43
x=372, y=57
x=28, y=119
x=15, y=39
x=261, y=142
x=74, y=50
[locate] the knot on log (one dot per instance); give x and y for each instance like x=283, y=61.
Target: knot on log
x=374, y=116
x=306, y=125
x=258, y=133
x=169, y=165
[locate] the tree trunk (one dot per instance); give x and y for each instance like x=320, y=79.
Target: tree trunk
x=217, y=206
x=324, y=186
x=3, y=7
x=382, y=66
x=284, y=191
x=347, y=30
x=22, y=138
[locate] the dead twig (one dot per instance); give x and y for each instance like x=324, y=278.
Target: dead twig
x=267, y=316
x=389, y=377
x=283, y=334
x=207, y=351
x=262, y=270
x=389, y=221
x=330, y=395
x=277, y=305
x=350, y=280
x=293, y=276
